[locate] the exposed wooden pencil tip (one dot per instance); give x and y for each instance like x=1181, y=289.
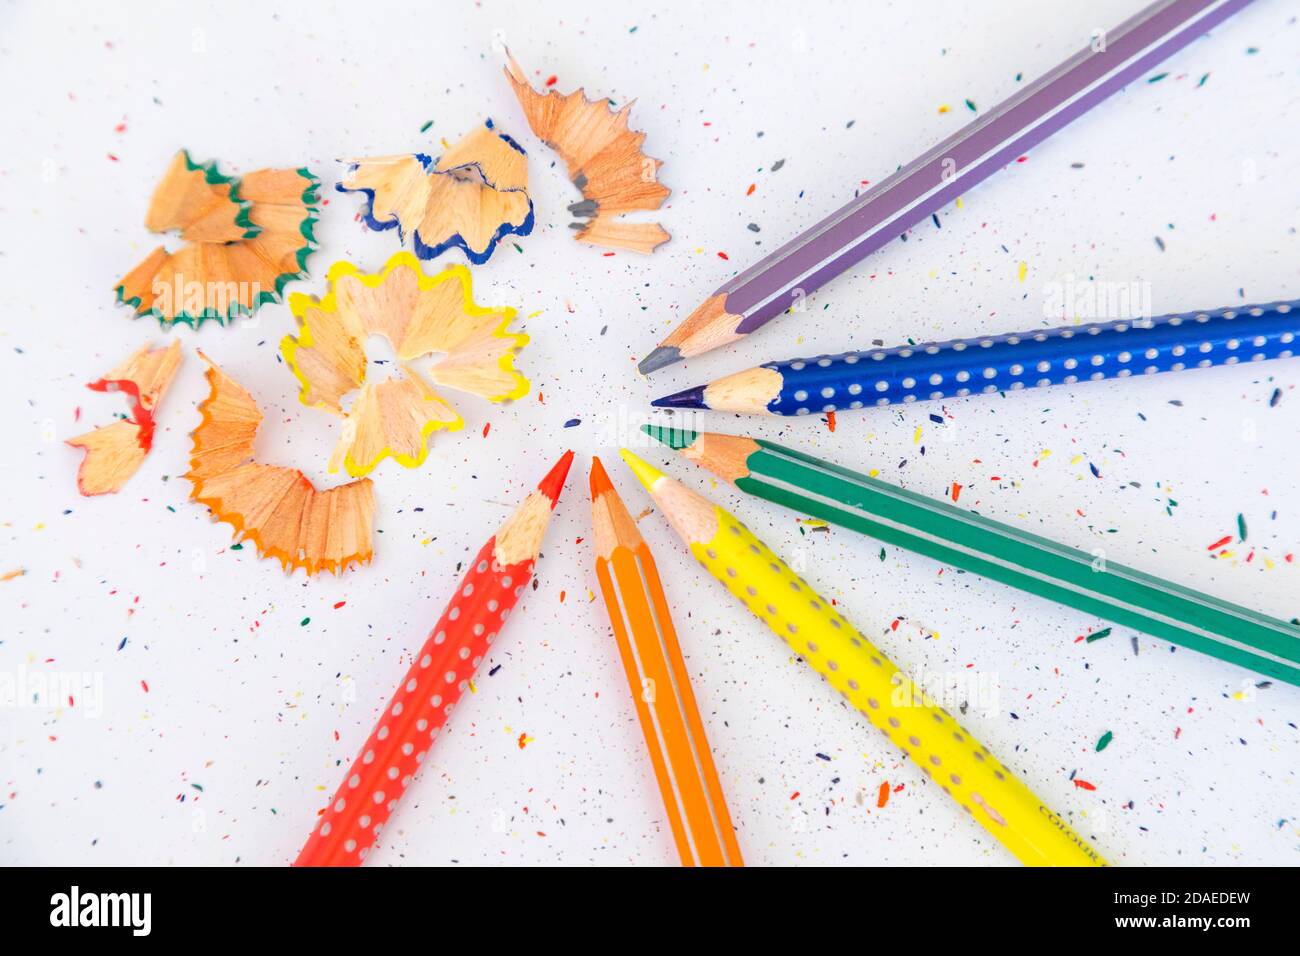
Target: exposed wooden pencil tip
x=600, y=483
x=645, y=472
x=554, y=480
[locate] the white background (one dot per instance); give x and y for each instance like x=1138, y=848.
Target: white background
x=249, y=705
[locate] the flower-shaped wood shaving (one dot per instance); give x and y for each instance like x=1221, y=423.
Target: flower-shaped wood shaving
x=199, y=203
x=419, y=315
x=471, y=197
x=245, y=240
x=605, y=162
x=276, y=508
x=115, y=452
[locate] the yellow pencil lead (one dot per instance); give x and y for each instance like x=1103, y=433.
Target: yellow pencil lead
x=645, y=472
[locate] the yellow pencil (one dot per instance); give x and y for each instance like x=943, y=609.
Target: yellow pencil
x=949, y=755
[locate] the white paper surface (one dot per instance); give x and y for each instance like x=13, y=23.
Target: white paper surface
x=250, y=715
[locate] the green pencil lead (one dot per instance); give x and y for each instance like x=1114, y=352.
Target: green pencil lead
x=674, y=438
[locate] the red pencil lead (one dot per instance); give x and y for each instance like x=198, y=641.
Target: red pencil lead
x=552, y=484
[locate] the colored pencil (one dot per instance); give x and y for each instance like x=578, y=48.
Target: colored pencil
x=1000, y=363
x=438, y=676
x=997, y=551
x=781, y=281
x=809, y=623
x=661, y=688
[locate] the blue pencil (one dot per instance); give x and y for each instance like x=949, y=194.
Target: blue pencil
x=999, y=363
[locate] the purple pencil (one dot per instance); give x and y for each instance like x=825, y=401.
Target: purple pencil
x=916, y=191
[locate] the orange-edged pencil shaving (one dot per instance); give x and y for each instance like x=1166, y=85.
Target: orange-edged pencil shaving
x=276, y=508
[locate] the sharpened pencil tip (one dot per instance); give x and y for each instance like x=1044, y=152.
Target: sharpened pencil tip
x=674, y=438
x=553, y=483
x=600, y=483
x=690, y=398
x=662, y=356
x=645, y=472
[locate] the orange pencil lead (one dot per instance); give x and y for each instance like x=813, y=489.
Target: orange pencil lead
x=600, y=483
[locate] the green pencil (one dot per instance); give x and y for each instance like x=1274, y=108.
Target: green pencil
x=994, y=550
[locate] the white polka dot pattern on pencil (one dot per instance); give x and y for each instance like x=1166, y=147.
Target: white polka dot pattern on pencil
x=1060, y=356
x=957, y=763
x=439, y=675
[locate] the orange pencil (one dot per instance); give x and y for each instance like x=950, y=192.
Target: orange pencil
x=661, y=688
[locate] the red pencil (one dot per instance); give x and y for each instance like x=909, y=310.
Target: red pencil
x=439, y=675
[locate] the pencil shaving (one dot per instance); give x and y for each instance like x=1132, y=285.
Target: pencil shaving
x=198, y=202
x=420, y=316
x=219, y=275
x=276, y=508
x=604, y=159
x=470, y=198
x=115, y=452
